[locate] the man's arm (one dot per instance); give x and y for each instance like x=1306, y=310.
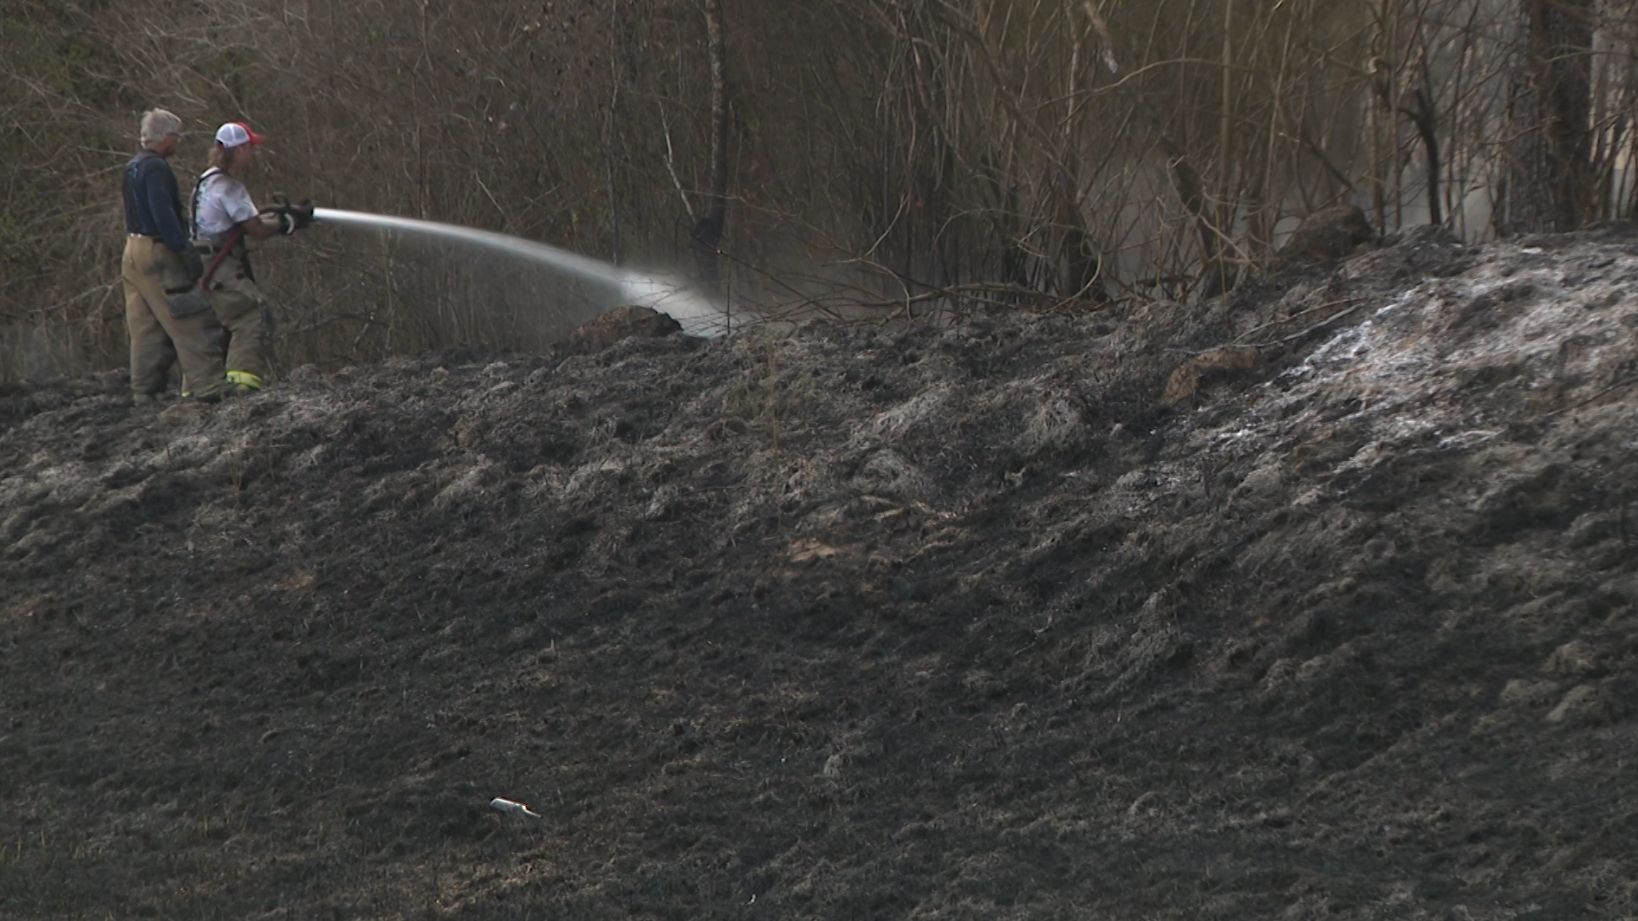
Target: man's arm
x=262, y=226
x=253, y=223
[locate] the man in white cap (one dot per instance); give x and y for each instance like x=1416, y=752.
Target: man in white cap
x=223, y=216
x=158, y=265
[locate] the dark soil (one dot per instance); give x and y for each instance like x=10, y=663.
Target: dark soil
x=858, y=622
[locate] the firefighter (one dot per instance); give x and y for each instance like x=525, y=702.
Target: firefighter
x=223, y=218
x=159, y=271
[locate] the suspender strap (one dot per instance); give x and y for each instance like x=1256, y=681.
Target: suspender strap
x=199, y=187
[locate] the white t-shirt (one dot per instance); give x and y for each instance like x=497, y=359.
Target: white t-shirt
x=223, y=204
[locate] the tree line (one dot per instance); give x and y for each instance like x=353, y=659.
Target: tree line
x=847, y=158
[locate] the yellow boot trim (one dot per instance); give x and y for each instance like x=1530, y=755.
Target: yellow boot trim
x=244, y=379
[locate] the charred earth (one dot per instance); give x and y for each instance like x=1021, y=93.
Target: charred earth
x=1031, y=617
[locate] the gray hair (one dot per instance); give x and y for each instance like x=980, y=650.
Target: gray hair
x=156, y=124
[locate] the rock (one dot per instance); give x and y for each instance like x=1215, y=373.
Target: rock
x=1209, y=367
x=616, y=325
x=1325, y=236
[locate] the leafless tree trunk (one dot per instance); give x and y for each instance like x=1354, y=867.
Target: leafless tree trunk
x=1549, y=178
x=1416, y=105
x=709, y=227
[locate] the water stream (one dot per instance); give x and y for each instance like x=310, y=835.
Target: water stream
x=697, y=314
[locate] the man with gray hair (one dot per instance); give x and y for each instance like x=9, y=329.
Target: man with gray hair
x=159, y=264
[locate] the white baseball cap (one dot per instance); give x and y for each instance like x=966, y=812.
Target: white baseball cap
x=234, y=134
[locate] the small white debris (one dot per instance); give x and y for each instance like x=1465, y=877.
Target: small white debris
x=512, y=808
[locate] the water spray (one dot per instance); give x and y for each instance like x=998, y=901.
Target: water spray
x=698, y=315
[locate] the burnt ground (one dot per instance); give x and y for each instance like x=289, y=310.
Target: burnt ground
x=857, y=622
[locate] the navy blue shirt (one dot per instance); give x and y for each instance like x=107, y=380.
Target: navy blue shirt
x=152, y=206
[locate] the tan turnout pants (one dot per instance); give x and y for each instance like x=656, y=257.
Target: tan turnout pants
x=158, y=339
x=245, y=313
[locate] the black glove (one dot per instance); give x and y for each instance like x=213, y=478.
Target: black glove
x=291, y=217
x=194, y=264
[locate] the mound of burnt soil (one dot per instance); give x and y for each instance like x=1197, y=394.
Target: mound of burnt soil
x=858, y=623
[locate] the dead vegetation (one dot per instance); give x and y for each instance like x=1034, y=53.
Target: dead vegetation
x=848, y=158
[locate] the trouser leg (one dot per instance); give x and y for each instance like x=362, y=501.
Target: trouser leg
x=199, y=344
x=195, y=340
x=212, y=335
x=151, y=351
x=249, y=322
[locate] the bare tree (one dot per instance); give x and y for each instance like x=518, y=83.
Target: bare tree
x=1550, y=177
x=711, y=225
